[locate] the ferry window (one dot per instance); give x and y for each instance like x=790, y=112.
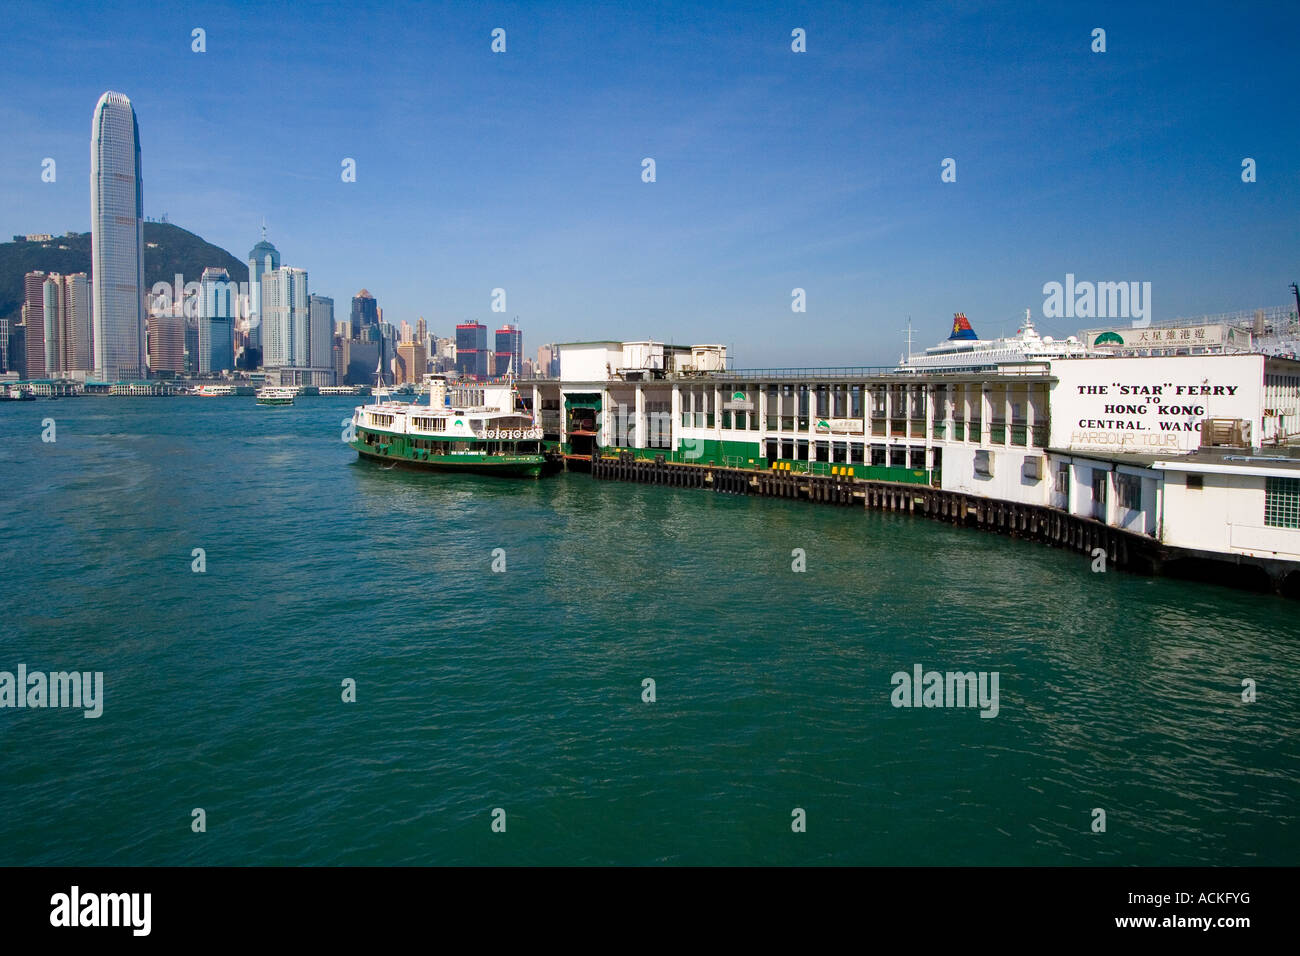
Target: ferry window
x=1195, y=482
x=918, y=457
x=802, y=453
x=823, y=451
x=1063, y=479
x=787, y=448
x=984, y=463
x=770, y=449
x=898, y=456
x=878, y=455
x=840, y=452
x=1282, y=502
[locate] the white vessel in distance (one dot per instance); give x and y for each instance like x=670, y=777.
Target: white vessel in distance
x=964, y=351
x=276, y=395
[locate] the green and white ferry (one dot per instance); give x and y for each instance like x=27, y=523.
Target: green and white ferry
x=276, y=395
x=468, y=427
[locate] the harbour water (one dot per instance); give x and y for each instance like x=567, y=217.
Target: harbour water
x=522, y=689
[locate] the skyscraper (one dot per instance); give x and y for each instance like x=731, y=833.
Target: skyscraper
x=167, y=336
x=216, y=345
x=262, y=258
x=471, y=350
x=510, y=350
x=285, y=318
x=365, y=314
x=67, y=324
x=117, y=240
x=33, y=315
x=320, y=352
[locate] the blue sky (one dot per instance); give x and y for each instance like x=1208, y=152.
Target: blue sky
x=775, y=170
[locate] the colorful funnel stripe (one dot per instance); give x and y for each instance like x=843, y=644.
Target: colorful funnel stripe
x=961, y=328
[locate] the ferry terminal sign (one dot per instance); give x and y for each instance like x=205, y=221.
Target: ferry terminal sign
x=838, y=426
x=1196, y=336
x=739, y=403
x=1151, y=404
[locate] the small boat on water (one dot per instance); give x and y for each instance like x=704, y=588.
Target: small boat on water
x=276, y=395
x=467, y=427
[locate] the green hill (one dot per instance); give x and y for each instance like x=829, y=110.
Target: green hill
x=168, y=249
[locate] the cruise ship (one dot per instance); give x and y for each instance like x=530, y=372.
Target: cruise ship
x=964, y=351
x=467, y=427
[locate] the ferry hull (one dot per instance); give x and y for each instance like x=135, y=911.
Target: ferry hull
x=505, y=466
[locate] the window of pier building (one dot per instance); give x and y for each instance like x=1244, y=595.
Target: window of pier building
x=659, y=424
x=878, y=456
x=1128, y=491
x=1282, y=502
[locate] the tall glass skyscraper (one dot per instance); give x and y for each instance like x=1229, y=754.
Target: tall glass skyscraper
x=471, y=350
x=262, y=258
x=510, y=350
x=117, y=240
x=216, y=321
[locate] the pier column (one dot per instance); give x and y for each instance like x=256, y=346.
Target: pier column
x=639, y=425
x=606, y=420
x=1006, y=415
x=1030, y=417
x=675, y=433
x=986, y=415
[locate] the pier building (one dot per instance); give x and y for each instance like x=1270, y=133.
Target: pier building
x=1163, y=462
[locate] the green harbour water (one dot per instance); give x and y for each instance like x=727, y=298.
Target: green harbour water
x=522, y=690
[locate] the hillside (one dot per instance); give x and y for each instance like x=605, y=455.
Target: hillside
x=176, y=251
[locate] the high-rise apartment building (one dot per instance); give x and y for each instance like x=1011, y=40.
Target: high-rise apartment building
x=167, y=338
x=117, y=240
x=320, y=346
x=33, y=318
x=412, y=360
x=286, y=318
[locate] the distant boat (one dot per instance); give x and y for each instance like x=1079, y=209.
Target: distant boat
x=964, y=351
x=276, y=395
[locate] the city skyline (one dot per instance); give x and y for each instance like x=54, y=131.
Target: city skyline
x=1067, y=161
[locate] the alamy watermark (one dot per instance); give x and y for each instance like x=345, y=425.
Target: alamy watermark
x=1098, y=300
x=922, y=688
x=82, y=689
